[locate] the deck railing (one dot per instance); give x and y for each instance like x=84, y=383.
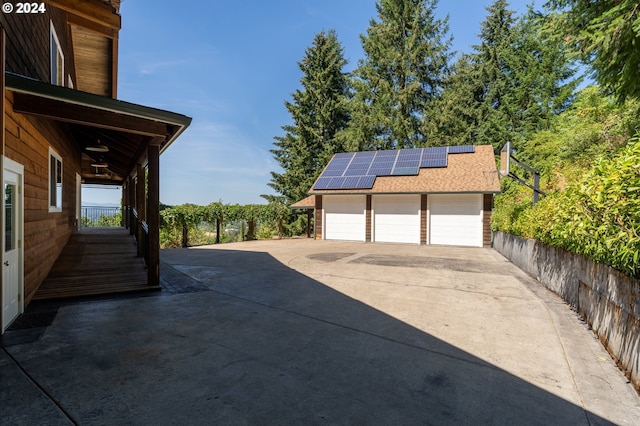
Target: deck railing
x=145, y=242
x=100, y=216
x=145, y=234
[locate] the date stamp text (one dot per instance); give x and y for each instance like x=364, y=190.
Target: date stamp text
x=24, y=8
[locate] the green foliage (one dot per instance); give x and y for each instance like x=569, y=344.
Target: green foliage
x=184, y=217
x=606, y=35
x=593, y=125
x=319, y=113
x=114, y=220
x=596, y=216
x=189, y=224
x=401, y=75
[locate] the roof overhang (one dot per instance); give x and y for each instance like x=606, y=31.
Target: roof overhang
x=127, y=129
x=308, y=203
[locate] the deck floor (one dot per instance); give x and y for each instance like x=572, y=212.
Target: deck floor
x=96, y=261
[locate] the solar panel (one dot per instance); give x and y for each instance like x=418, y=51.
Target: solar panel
x=351, y=182
x=405, y=171
x=349, y=170
x=336, y=183
x=434, y=162
x=435, y=150
x=345, y=155
x=381, y=170
x=322, y=183
x=366, y=182
x=462, y=149
x=363, y=157
x=356, y=170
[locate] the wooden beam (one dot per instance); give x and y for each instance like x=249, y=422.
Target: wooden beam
x=92, y=25
x=114, y=68
x=95, y=11
x=79, y=114
x=153, y=215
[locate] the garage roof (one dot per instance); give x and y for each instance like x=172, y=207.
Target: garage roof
x=462, y=171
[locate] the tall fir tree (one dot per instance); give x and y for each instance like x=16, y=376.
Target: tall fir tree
x=406, y=60
x=319, y=112
x=512, y=84
x=606, y=35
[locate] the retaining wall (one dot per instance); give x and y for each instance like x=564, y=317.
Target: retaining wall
x=607, y=299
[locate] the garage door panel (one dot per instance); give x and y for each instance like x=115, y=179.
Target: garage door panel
x=456, y=219
x=396, y=218
x=344, y=217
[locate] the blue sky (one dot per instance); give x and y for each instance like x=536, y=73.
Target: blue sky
x=231, y=65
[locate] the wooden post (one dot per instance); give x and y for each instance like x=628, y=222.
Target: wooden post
x=132, y=203
x=140, y=192
x=153, y=218
x=309, y=223
x=125, y=205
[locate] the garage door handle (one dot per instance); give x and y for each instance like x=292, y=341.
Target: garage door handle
x=6, y=263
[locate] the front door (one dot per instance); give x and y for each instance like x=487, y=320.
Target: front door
x=12, y=249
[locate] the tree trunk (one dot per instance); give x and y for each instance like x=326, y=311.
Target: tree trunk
x=185, y=236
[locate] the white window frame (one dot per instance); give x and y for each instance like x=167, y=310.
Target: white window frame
x=57, y=58
x=55, y=181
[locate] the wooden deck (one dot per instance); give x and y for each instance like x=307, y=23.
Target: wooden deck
x=96, y=261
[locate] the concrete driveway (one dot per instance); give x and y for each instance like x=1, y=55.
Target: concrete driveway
x=318, y=332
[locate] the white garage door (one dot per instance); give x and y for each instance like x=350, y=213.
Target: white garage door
x=396, y=218
x=456, y=219
x=344, y=217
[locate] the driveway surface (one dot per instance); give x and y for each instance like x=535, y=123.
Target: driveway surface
x=315, y=332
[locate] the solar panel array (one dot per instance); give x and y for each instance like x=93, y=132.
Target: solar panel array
x=358, y=170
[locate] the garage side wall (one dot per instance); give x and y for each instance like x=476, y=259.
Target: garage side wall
x=487, y=208
x=318, y=217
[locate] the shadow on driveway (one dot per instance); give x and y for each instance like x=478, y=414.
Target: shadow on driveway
x=255, y=342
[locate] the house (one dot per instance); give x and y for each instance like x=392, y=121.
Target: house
x=440, y=195
x=62, y=127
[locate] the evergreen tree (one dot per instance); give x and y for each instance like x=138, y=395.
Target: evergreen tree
x=606, y=35
x=516, y=79
x=319, y=112
x=402, y=73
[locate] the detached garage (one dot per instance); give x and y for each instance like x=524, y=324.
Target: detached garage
x=440, y=195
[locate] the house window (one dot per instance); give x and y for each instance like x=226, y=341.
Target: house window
x=57, y=59
x=55, y=181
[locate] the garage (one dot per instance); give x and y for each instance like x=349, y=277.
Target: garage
x=344, y=217
x=434, y=195
x=455, y=219
x=396, y=218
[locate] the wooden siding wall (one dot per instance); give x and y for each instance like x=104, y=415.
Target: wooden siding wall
x=28, y=49
x=487, y=207
x=45, y=234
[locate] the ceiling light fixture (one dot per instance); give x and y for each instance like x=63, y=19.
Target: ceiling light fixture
x=99, y=147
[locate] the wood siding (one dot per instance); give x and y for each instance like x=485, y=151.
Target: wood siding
x=487, y=207
x=45, y=234
x=28, y=43
x=93, y=64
